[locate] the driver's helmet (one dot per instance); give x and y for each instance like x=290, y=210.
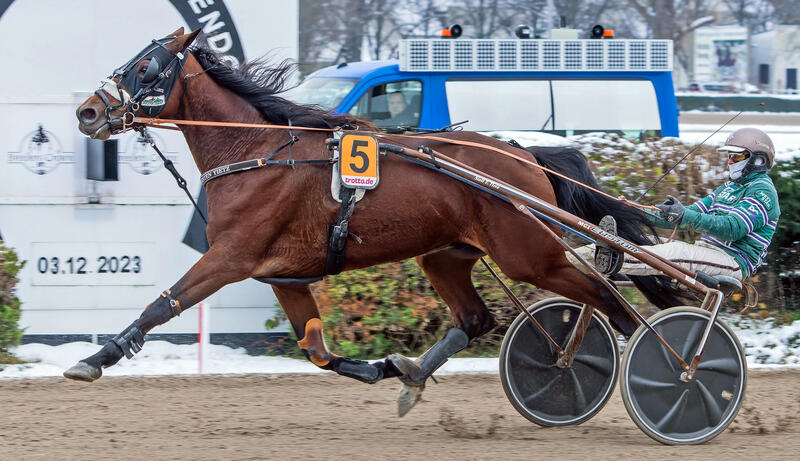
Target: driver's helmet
x=752, y=141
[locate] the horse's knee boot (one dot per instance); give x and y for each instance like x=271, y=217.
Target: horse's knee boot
x=417, y=371
x=130, y=341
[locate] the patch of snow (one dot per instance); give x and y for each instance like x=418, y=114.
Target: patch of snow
x=766, y=346
x=531, y=138
x=785, y=137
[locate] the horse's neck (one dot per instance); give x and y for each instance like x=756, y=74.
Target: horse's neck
x=213, y=146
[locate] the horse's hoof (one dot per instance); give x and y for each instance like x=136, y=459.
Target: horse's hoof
x=408, y=397
x=82, y=371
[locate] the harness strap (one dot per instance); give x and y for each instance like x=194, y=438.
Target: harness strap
x=260, y=162
x=289, y=281
x=339, y=231
x=750, y=296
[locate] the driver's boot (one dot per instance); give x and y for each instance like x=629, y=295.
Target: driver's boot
x=607, y=259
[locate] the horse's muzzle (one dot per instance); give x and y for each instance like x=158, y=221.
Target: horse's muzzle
x=87, y=115
x=98, y=130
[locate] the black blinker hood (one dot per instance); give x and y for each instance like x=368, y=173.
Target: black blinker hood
x=152, y=96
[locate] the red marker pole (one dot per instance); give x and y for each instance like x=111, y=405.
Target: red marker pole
x=203, y=335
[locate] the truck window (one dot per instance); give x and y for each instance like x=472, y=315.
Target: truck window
x=324, y=92
x=391, y=105
x=607, y=105
x=491, y=105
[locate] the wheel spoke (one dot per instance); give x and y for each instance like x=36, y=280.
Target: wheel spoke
x=571, y=330
x=580, y=397
x=529, y=361
x=713, y=412
x=602, y=365
x=531, y=398
x=674, y=413
x=550, y=319
x=540, y=338
x=726, y=365
x=668, y=358
x=692, y=338
x=639, y=381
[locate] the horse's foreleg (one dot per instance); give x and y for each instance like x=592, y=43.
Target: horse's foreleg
x=301, y=309
x=213, y=271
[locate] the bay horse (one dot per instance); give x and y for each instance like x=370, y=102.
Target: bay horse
x=273, y=223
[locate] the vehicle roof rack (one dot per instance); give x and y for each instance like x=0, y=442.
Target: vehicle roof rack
x=485, y=55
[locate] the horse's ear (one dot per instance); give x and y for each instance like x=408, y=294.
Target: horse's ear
x=191, y=36
x=183, y=41
x=177, y=33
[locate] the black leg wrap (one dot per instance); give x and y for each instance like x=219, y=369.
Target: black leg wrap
x=359, y=369
x=130, y=340
x=388, y=368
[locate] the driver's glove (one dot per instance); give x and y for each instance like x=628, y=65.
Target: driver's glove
x=671, y=210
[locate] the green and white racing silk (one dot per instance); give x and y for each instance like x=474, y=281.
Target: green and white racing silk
x=739, y=217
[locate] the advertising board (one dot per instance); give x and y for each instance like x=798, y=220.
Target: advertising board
x=98, y=252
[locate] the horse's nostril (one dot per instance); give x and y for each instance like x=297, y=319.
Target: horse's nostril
x=88, y=115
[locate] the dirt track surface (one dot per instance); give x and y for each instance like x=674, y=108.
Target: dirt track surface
x=330, y=417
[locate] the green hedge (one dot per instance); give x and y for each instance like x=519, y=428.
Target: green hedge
x=734, y=103
x=373, y=312
x=10, y=333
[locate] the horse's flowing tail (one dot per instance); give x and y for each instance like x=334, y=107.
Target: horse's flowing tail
x=632, y=224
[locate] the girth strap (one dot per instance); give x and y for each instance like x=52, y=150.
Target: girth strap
x=339, y=231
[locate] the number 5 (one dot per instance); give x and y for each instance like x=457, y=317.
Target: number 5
x=356, y=152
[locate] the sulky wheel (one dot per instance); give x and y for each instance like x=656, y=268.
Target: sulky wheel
x=541, y=391
x=668, y=409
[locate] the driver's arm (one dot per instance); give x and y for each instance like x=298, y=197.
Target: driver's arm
x=745, y=216
x=700, y=206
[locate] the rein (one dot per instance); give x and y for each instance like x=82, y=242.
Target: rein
x=669, y=170
x=171, y=168
x=256, y=163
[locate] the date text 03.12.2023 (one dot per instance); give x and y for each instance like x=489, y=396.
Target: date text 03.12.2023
x=80, y=265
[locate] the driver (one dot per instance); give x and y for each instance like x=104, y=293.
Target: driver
x=737, y=220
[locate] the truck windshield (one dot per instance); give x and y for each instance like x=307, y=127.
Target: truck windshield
x=326, y=93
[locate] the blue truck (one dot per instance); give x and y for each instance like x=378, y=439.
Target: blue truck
x=563, y=87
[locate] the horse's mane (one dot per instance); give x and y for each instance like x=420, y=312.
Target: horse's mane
x=260, y=83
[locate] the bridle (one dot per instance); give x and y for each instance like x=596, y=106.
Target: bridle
x=151, y=91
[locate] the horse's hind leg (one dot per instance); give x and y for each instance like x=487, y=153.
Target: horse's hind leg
x=214, y=270
x=450, y=273
x=301, y=309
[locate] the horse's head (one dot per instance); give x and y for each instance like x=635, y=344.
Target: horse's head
x=140, y=87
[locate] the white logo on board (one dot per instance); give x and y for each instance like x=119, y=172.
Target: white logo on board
x=40, y=152
x=142, y=158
